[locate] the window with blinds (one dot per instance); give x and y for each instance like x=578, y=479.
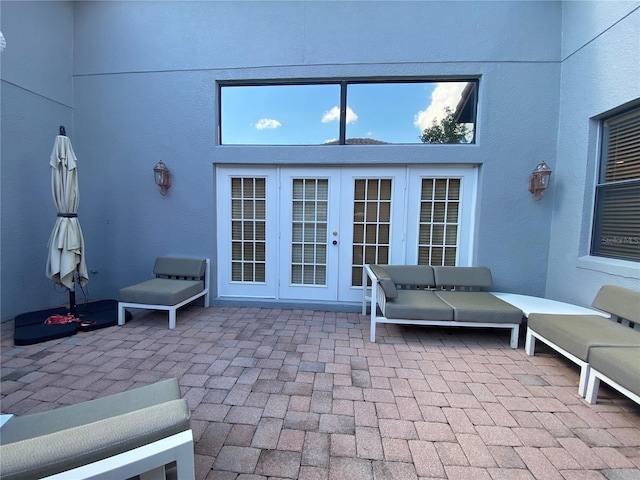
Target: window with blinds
x=439, y=221
x=371, y=224
x=248, y=229
x=616, y=228
x=309, y=231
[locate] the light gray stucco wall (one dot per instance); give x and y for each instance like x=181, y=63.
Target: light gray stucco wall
x=36, y=97
x=600, y=72
x=145, y=73
x=143, y=89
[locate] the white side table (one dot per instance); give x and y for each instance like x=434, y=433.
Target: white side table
x=529, y=304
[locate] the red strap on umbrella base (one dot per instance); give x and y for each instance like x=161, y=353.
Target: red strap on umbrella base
x=60, y=319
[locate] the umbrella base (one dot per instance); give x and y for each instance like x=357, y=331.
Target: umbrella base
x=29, y=328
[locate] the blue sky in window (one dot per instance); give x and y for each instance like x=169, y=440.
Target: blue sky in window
x=309, y=114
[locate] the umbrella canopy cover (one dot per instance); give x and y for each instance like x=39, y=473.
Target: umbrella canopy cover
x=66, y=244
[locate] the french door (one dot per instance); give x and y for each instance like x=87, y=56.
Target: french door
x=305, y=233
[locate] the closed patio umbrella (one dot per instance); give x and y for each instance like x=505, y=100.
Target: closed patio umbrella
x=66, y=244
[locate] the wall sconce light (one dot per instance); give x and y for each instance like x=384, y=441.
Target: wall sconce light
x=162, y=177
x=539, y=180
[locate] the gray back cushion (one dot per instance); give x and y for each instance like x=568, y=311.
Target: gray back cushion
x=180, y=267
x=463, y=277
x=619, y=301
x=385, y=280
x=411, y=275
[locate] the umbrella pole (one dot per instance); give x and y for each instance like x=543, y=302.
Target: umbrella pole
x=72, y=298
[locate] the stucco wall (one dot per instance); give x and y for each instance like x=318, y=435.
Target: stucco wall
x=134, y=82
x=36, y=98
x=600, y=71
x=148, y=93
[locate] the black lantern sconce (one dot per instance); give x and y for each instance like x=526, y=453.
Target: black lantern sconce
x=539, y=180
x=162, y=177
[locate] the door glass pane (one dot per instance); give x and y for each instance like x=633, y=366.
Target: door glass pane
x=439, y=220
x=309, y=231
x=248, y=235
x=371, y=224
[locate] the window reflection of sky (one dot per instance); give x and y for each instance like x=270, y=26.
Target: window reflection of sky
x=309, y=114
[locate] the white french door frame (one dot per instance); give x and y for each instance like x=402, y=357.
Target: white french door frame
x=328, y=231
x=226, y=286
x=403, y=241
x=467, y=204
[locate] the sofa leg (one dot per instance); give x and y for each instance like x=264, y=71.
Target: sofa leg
x=120, y=314
x=584, y=375
x=185, y=461
x=172, y=319
x=515, y=336
x=593, y=384
x=530, y=343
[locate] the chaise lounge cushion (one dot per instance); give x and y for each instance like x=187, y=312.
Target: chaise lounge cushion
x=620, y=364
x=50, y=442
x=577, y=334
x=481, y=307
x=418, y=305
x=160, y=291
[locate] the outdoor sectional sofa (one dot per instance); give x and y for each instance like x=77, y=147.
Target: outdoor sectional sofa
x=606, y=349
x=437, y=296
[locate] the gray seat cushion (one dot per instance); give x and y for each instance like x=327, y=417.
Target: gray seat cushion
x=417, y=305
x=65, y=449
x=481, y=307
x=161, y=291
x=50, y=442
x=578, y=333
x=620, y=364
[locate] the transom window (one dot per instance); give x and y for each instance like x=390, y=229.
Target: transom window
x=348, y=113
x=616, y=228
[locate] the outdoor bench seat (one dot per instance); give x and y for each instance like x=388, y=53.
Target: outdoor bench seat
x=161, y=291
x=179, y=280
x=577, y=336
x=619, y=367
x=135, y=432
x=437, y=296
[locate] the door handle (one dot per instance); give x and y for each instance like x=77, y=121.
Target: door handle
x=335, y=242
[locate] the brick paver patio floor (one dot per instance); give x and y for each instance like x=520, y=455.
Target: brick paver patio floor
x=304, y=394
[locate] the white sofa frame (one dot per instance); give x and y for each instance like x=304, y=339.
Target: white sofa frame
x=593, y=384
x=377, y=298
x=147, y=461
x=530, y=346
x=172, y=309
